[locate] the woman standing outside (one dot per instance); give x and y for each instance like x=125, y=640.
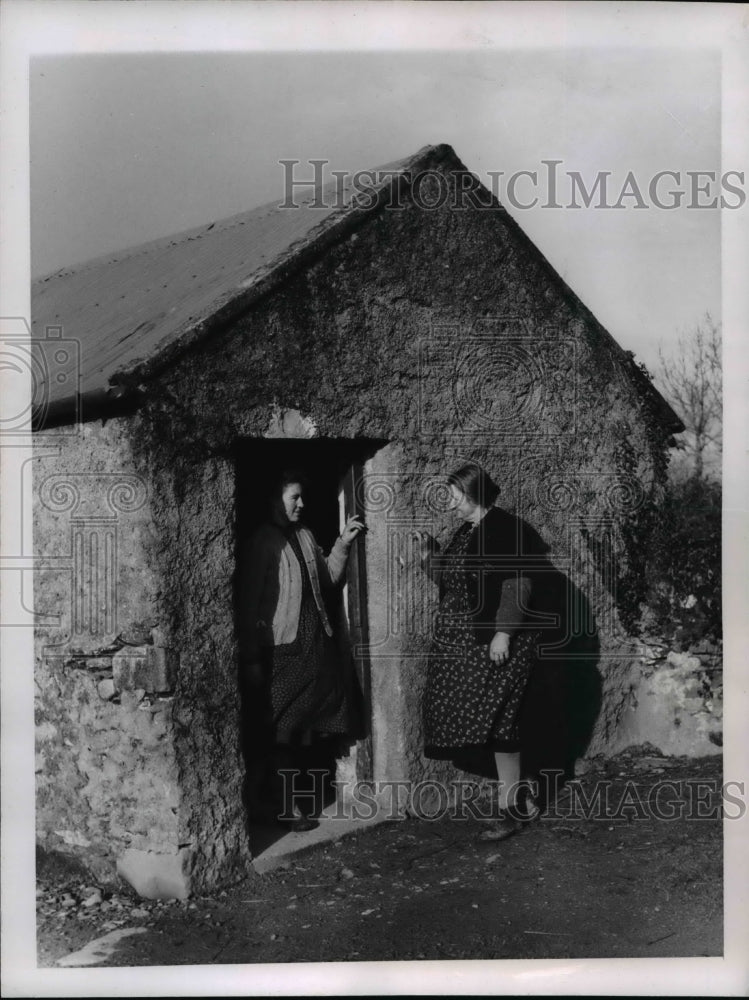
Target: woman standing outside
x=289, y=656
x=483, y=649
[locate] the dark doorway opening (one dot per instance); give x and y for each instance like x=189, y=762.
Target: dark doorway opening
x=332, y=469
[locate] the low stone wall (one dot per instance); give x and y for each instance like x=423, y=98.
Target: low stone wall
x=106, y=772
x=675, y=701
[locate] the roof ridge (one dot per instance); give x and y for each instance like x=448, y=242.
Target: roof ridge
x=149, y=325
x=232, y=221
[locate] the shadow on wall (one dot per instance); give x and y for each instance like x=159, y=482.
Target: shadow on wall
x=563, y=698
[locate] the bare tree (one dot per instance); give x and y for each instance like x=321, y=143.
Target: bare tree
x=690, y=377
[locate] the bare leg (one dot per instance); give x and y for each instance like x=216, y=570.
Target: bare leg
x=508, y=773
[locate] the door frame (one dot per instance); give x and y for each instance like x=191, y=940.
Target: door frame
x=356, y=611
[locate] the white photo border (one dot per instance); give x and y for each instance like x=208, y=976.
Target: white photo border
x=69, y=27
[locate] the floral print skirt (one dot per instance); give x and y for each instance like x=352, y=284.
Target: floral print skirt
x=471, y=705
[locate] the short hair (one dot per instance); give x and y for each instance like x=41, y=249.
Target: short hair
x=476, y=484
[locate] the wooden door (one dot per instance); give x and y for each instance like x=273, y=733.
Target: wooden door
x=356, y=611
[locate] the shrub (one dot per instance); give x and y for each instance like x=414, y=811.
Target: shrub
x=683, y=565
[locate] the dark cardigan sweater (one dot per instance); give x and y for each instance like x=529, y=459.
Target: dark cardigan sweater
x=498, y=564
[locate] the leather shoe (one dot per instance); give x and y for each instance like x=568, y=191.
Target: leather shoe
x=501, y=829
x=300, y=824
x=526, y=809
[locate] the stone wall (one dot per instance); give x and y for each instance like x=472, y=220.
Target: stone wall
x=107, y=780
x=108, y=787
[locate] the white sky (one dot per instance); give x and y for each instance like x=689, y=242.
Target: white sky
x=126, y=148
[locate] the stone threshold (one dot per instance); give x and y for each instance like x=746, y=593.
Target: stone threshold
x=330, y=829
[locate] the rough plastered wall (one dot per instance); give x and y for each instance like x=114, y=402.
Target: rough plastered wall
x=106, y=770
x=442, y=333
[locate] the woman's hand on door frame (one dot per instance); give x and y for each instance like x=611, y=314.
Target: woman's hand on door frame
x=354, y=526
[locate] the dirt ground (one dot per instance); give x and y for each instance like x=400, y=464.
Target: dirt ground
x=567, y=886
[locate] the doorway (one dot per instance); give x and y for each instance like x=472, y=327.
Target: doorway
x=331, y=469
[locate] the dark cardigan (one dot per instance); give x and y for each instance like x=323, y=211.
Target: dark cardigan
x=498, y=566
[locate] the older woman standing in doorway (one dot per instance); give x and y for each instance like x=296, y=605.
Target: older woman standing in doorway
x=289, y=657
x=483, y=649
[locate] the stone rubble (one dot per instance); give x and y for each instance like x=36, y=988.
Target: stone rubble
x=675, y=700
x=90, y=903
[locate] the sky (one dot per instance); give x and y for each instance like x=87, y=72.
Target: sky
x=127, y=148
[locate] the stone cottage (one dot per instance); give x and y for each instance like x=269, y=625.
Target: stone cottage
x=377, y=339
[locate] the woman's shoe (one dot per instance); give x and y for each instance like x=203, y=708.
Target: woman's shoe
x=298, y=822
x=526, y=809
x=500, y=829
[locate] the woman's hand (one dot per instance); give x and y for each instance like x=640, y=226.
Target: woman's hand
x=428, y=546
x=499, y=649
x=354, y=526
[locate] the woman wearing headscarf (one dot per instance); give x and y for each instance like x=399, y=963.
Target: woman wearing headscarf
x=290, y=659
